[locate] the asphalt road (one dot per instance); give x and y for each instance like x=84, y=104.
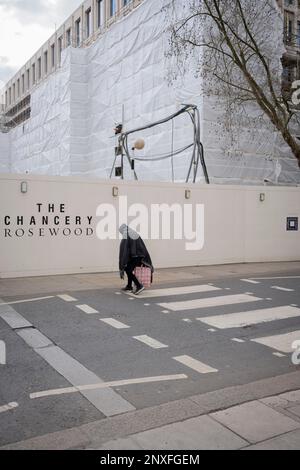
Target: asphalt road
x=165, y=347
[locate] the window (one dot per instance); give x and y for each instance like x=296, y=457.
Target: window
x=14, y=92
x=9, y=96
x=23, y=83
x=28, y=79
x=33, y=74
x=53, y=55
x=78, y=32
x=46, y=62
x=60, y=46
x=6, y=98
x=39, y=68
x=298, y=33
x=289, y=26
x=126, y=2
x=68, y=37
x=88, y=22
x=100, y=13
x=18, y=88
x=113, y=7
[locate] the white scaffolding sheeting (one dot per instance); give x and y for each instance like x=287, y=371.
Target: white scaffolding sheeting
x=74, y=112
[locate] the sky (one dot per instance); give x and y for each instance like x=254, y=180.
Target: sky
x=24, y=26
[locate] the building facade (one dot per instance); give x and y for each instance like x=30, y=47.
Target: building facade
x=291, y=58
x=91, y=20
x=84, y=26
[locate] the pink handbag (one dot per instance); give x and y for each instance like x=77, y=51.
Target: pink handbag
x=144, y=275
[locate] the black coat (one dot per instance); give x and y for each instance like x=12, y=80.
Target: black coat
x=130, y=249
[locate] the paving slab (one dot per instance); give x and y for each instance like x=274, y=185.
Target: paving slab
x=198, y=433
x=291, y=396
x=255, y=421
x=295, y=410
x=289, y=441
x=276, y=402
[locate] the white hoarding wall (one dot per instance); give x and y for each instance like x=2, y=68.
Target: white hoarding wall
x=54, y=227
x=124, y=75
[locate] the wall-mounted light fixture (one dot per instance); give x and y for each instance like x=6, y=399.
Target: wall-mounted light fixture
x=188, y=194
x=24, y=187
x=115, y=191
x=262, y=197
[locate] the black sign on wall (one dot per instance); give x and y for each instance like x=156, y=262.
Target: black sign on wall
x=292, y=224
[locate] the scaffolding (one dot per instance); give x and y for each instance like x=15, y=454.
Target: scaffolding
x=197, y=156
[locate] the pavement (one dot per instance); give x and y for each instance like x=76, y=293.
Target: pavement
x=204, y=359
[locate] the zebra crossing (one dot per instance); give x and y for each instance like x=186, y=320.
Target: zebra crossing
x=213, y=296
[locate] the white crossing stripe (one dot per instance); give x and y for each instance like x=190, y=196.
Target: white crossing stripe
x=117, y=383
x=250, y=281
x=284, y=289
x=282, y=343
x=238, y=340
x=209, y=302
x=178, y=291
x=27, y=300
x=254, y=317
x=195, y=364
x=115, y=323
x=67, y=298
x=87, y=309
x=8, y=407
x=150, y=342
x=277, y=354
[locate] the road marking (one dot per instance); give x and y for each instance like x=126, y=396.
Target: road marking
x=8, y=407
x=34, y=338
x=277, y=354
x=27, y=300
x=67, y=298
x=284, y=289
x=278, y=277
x=187, y=320
x=178, y=291
x=237, y=340
x=282, y=343
x=13, y=319
x=165, y=311
x=241, y=319
x=104, y=385
x=115, y=323
x=211, y=330
x=87, y=309
x=250, y=281
x=107, y=401
x=209, y=302
x=150, y=342
x=195, y=365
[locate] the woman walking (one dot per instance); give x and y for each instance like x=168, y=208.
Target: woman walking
x=133, y=253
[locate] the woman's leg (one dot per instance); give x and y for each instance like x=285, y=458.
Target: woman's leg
x=131, y=277
x=128, y=271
